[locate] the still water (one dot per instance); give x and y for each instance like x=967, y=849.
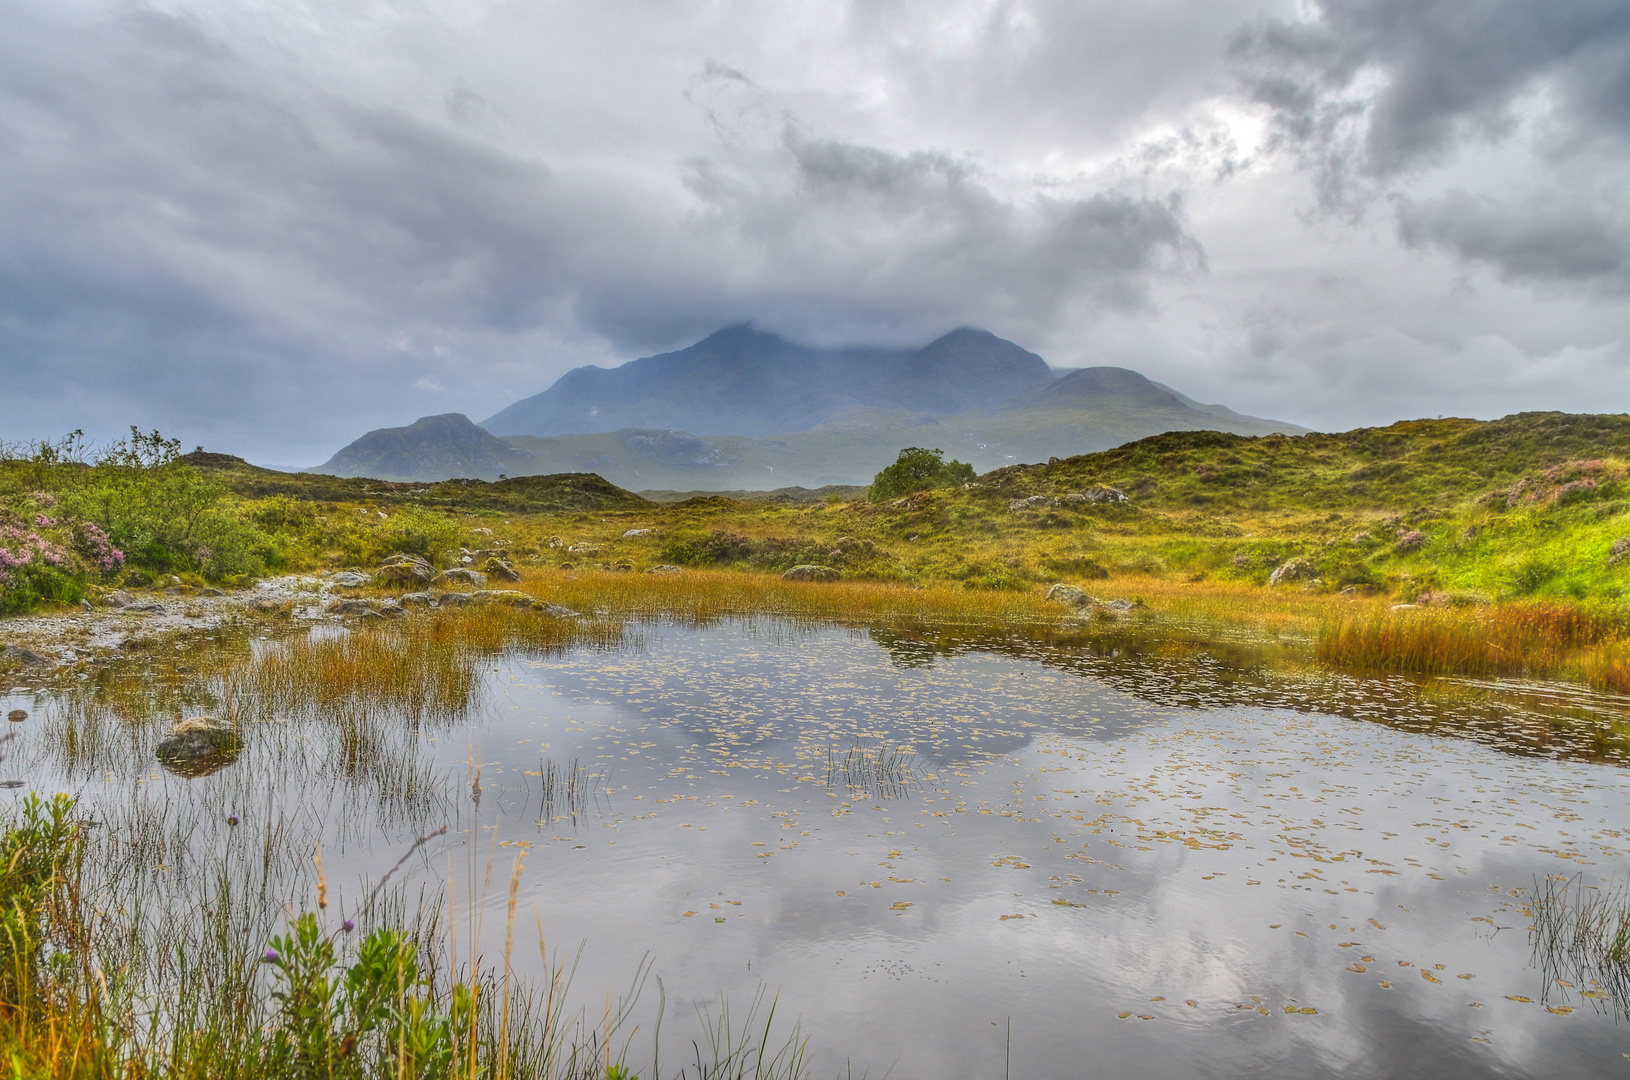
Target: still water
x=964, y=862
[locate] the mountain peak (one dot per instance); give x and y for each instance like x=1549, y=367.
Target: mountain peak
x=446, y=444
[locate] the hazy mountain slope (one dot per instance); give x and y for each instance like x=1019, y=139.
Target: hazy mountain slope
x=968, y=371
x=739, y=381
x=431, y=448
x=745, y=409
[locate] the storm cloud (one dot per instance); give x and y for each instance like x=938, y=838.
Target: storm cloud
x=267, y=229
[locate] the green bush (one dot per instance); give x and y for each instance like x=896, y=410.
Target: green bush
x=35, y=853
x=917, y=469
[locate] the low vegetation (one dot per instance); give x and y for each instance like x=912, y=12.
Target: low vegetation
x=1484, y=530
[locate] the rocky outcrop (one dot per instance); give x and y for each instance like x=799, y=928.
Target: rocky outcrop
x=402, y=569
x=1069, y=594
x=498, y=568
x=350, y=579
x=199, y=746
x=461, y=576
x=1297, y=569
x=811, y=572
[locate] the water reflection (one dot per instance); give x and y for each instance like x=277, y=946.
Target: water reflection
x=1153, y=857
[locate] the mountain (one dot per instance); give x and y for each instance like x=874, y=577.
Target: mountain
x=746, y=409
x=739, y=381
x=431, y=448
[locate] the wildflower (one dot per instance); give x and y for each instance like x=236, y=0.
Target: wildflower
x=271, y=957
x=348, y=926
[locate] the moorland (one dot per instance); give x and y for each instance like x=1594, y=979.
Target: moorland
x=1432, y=547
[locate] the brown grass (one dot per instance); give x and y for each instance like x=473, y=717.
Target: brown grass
x=1560, y=641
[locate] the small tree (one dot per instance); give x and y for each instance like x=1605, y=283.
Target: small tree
x=917, y=469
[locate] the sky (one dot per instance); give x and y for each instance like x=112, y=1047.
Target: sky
x=267, y=227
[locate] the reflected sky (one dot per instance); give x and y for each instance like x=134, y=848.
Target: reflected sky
x=1139, y=889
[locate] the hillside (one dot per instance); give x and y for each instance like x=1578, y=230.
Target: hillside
x=554, y=493
x=433, y=447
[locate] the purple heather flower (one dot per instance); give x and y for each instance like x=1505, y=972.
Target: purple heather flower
x=270, y=957
x=348, y=926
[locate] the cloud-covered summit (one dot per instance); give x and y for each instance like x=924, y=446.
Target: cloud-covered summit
x=264, y=228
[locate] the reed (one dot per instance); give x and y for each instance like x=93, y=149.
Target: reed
x=1510, y=640
x=1581, y=937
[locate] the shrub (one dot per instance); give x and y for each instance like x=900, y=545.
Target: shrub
x=917, y=469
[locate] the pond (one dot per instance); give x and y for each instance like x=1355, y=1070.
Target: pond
x=944, y=857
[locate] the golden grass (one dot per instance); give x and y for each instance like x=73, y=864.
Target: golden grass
x=700, y=596
x=1560, y=641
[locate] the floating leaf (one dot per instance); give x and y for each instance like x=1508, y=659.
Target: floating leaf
x=1519, y=997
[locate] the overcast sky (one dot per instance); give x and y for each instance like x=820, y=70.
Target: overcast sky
x=266, y=227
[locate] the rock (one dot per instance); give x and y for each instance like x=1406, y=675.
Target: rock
x=118, y=598
x=664, y=568
x=1295, y=570
x=145, y=607
x=86, y=605
x=811, y=572
x=515, y=598
x=25, y=657
x=1410, y=540
x=417, y=599
x=449, y=578
x=390, y=609
x=500, y=569
x=454, y=599
x=1120, y=607
x=17, y=716
x=266, y=605
x=199, y=746
x=352, y=607
x=1032, y=502
x=466, y=560
x=350, y=579
x=174, y=590
x=1069, y=594
x=554, y=542
x=638, y=532
x=210, y=592
x=1619, y=552
x=1098, y=494
x=406, y=569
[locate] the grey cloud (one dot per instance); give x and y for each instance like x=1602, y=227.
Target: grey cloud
x=1369, y=90
x=268, y=228
x=1544, y=240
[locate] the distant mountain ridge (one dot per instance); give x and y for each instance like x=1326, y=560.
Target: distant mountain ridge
x=744, y=408
x=431, y=448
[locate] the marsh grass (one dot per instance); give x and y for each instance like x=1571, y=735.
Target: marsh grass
x=567, y=791
x=872, y=769
x=1555, y=641
x=1581, y=933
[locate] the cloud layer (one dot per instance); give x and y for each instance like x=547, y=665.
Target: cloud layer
x=269, y=227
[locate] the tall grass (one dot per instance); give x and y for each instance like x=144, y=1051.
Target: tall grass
x=1508, y=640
x=1582, y=933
